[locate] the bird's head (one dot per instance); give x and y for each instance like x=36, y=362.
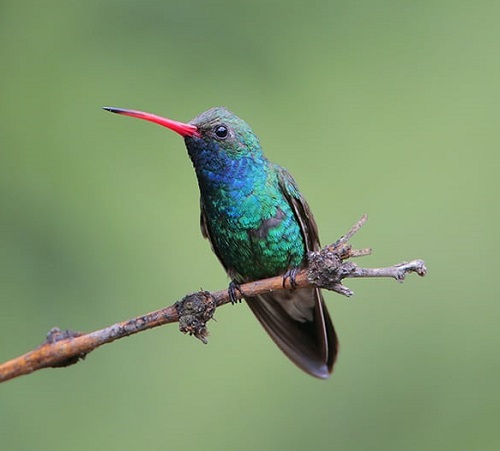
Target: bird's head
x=217, y=133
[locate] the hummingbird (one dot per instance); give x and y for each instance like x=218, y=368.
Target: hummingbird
x=259, y=225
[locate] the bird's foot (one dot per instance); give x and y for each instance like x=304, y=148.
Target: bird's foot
x=291, y=274
x=232, y=289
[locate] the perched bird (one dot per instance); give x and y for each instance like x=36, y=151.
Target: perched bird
x=259, y=226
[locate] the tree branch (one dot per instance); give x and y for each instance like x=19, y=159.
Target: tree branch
x=326, y=269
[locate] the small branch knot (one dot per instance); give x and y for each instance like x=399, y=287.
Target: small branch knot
x=327, y=268
x=323, y=267
x=194, y=311
x=55, y=335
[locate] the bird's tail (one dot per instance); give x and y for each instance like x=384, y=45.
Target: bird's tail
x=299, y=323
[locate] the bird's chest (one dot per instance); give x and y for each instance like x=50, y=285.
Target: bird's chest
x=254, y=235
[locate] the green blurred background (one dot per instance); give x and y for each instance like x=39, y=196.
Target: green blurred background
x=388, y=108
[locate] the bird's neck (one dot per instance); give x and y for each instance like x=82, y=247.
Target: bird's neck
x=222, y=174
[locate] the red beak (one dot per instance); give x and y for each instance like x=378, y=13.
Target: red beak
x=178, y=127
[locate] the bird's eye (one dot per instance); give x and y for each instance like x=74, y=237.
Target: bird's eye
x=221, y=131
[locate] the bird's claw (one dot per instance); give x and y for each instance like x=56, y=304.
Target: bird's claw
x=232, y=289
x=290, y=275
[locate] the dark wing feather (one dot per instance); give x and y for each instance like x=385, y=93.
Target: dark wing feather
x=311, y=345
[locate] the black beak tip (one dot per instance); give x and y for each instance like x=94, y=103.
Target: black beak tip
x=112, y=109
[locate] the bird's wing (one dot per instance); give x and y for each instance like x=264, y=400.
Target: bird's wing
x=301, y=209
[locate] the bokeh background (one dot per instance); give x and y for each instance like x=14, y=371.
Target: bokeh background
x=388, y=108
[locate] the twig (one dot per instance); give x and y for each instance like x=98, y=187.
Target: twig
x=326, y=269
